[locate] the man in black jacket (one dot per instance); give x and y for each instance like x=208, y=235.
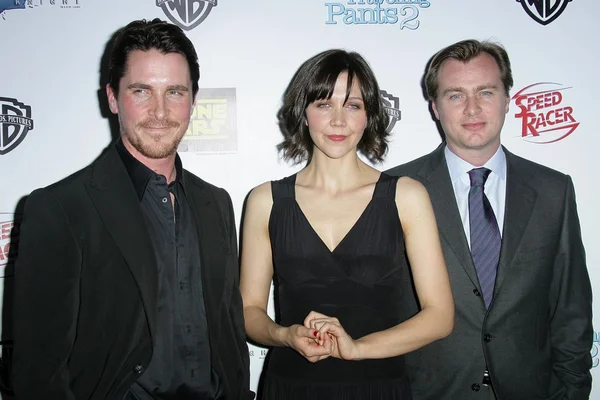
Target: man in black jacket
x=126, y=286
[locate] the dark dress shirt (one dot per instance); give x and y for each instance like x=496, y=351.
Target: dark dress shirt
x=180, y=367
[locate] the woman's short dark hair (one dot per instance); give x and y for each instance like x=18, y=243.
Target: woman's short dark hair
x=465, y=51
x=315, y=80
x=147, y=35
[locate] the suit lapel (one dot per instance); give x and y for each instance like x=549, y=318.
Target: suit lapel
x=115, y=199
x=520, y=199
x=436, y=178
x=209, y=225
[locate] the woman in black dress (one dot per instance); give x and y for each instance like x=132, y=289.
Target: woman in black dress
x=338, y=238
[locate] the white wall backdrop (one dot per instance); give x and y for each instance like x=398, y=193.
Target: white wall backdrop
x=51, y=123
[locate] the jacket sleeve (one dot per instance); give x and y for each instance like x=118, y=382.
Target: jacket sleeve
x=236, y=309
x=571, y=325
x=46, y=301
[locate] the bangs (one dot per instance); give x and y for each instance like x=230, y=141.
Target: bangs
x=315, y=80
x=323, y=84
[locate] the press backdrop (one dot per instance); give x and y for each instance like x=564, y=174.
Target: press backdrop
x=53, y=115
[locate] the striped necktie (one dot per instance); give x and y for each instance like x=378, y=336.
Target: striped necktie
x=485, y=235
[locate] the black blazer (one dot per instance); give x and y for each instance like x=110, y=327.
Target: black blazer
x=86, y=287
x=537, y=334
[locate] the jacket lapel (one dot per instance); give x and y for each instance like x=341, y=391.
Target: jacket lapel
x=520, y=199
x=209, y=224
x=434, y=174
x=115, y=199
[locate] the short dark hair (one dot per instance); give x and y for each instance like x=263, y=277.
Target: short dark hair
x=315, y=80
x=464, y=51
x=147, y=35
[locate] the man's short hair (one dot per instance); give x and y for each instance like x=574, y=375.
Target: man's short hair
x=147, y=35
x=464, y=51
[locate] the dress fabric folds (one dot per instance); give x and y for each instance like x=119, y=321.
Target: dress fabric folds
x=363, y=282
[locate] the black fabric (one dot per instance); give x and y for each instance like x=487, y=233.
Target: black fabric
x=360, y=283
x=139, y=174
x=86, y=254
x=180, y=367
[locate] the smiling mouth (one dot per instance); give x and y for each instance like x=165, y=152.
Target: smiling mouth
x=158, y=125
x=337, y=138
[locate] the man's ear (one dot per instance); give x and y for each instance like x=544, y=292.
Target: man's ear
x=112, y=99
x=435, y=110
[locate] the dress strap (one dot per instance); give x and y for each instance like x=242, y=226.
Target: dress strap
x=385, y=186
x=283, y=188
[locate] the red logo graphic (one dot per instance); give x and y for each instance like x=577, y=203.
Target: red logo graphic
x=9, y=230
x=545, y=119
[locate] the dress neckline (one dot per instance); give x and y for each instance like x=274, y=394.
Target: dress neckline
x=352, y=228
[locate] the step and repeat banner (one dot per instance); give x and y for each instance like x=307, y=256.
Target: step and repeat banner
x=53, y=116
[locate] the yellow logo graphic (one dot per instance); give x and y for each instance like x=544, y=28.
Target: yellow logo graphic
x=208, y=120
x=213, y=124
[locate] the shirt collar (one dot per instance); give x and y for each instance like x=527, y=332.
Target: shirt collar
x=459, y=168
x=140, y=174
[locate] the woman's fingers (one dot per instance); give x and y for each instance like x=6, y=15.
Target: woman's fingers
x=306, y=342
x=313, y=315
x=318, y=322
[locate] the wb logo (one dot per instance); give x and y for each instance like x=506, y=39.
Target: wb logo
x=594, y=352
x=544, y=11
x=187, y=14
x=392, y=109
x=15, y=123
x=11, y=5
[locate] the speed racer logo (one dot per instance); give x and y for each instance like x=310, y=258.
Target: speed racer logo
x=545, y=118
x=9, y=237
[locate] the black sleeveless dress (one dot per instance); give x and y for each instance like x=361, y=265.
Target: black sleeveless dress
x=362, y=282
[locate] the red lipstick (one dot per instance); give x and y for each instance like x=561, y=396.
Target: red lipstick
x=337, y=138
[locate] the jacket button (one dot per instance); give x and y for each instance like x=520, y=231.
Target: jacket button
x=487, y=337
x=138, y=369
x=476, y=293
x=475, y=387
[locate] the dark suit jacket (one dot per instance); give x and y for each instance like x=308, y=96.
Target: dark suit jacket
x=537, y=334
x=86, y=287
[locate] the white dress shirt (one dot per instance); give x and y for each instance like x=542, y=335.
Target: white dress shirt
x=495, y=186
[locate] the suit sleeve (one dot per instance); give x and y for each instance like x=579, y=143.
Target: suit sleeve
x=236, y=309
x=45, y=301
x=571, y=325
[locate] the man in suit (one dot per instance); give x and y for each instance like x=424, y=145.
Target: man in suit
x=127, y=282
x=513, y=250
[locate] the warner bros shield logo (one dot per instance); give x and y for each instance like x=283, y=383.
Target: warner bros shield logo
x=15, y=123
x=11, y=5
x=187, y=14
x=544, y=11
x=391, y=104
